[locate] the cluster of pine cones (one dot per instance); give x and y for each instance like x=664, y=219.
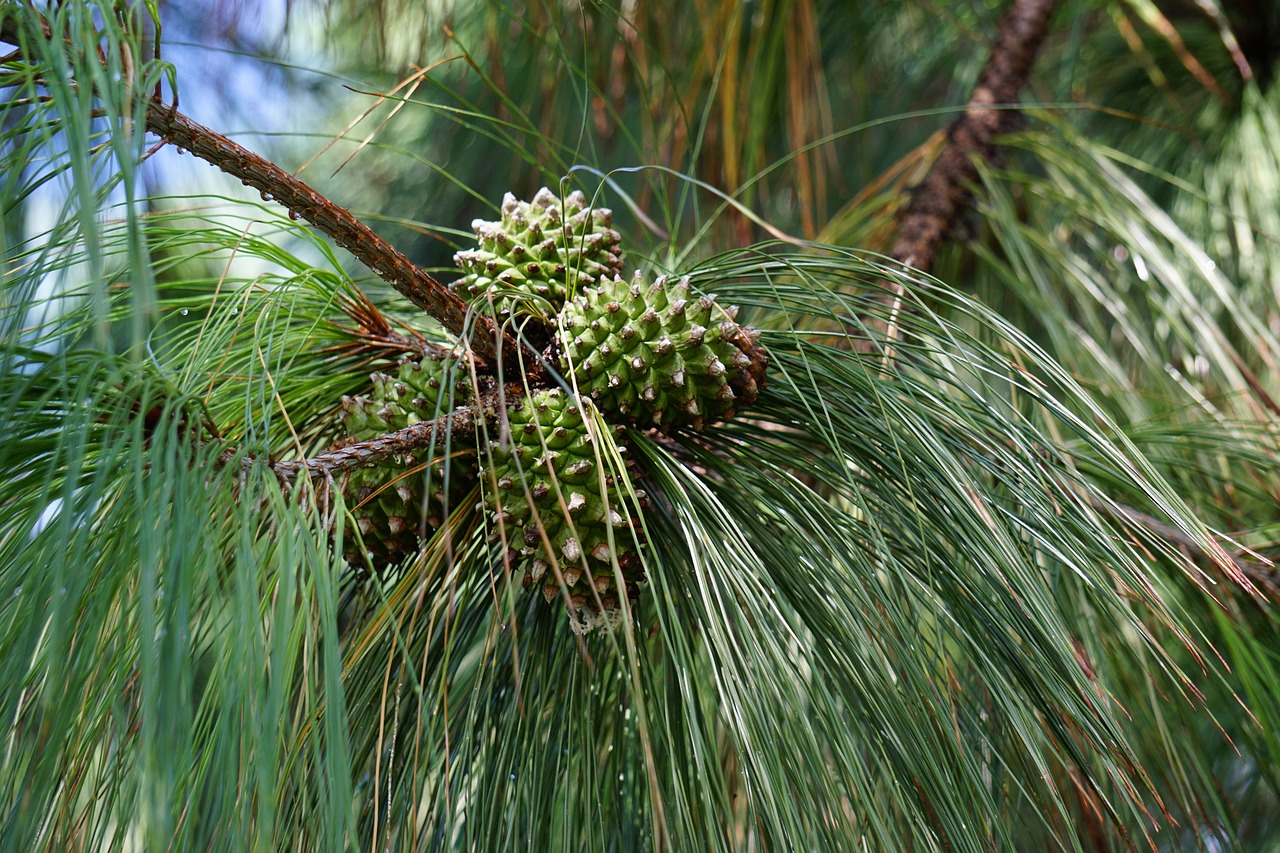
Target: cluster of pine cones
x=630, y=353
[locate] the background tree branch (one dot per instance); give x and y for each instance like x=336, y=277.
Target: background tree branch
x=1250, y=567
x=945, y=193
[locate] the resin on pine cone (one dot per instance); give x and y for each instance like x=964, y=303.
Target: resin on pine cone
x=540, y=252
x=399, y=501
x=652, y=353
x=548, y=485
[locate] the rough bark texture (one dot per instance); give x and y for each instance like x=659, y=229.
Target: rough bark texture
x=945, y=192
x=938, y=201
x=457, y=426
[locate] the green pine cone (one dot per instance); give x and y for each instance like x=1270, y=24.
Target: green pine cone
x=548, y=484
x=539, y=253
x=417, y=391
x=392, y=510
x=397, y=503
x=651, y=353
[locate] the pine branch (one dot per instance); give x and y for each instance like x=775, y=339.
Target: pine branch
x=414, y=283
x=456, y=426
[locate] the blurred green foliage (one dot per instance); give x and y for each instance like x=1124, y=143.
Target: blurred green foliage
x=991, y=593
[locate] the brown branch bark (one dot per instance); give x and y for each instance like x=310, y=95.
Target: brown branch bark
x=414, y=283
x=458, y=425
x=938, y=201
x=946, y=193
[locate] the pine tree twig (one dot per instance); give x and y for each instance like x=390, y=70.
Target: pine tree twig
x=374, y=332
x=414, y=283
x=390, y=341
x=456, y=426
